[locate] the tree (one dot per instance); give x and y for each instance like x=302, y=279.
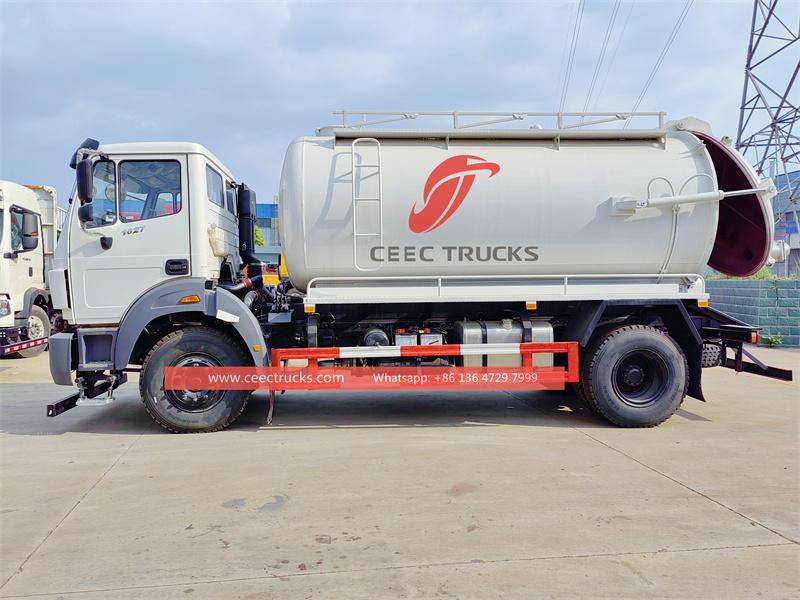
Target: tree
x=258, y=236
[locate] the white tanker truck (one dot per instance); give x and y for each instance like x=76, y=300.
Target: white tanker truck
x=584, y=241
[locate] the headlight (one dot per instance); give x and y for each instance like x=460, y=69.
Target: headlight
x=5, y=307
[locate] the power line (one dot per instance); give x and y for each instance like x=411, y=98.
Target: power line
x=559, y=81
x=660, y=59
x=576, y=32
x=603, y=48
x=602, y=87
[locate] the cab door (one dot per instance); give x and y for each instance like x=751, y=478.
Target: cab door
x=139, y=235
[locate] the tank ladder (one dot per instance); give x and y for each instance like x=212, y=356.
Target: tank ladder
x=356, y=180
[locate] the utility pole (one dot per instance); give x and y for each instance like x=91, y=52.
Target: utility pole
x=769, y=134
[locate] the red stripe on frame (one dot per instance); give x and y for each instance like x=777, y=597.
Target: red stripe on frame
x=436, y=350
x=526, y=349
x=280, y=354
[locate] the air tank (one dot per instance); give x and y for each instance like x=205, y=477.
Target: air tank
x=371, y=203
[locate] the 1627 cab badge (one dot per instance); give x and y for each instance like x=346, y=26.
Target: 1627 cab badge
x=132, y=230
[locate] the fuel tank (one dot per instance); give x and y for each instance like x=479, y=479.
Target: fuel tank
x=399, y=204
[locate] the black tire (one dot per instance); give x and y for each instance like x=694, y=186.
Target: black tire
x=712, y=356
x=635, y=376
x=580, y=394
x=192, y=411
x=580, y=390
x=38, y=326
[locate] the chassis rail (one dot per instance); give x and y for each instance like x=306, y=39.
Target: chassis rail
x=279, y=356
x=526, y=349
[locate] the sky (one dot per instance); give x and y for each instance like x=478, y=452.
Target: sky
x=245, y=78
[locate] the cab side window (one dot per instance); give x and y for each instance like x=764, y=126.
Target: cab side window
x=104, y=203
x=16, y=230
x=216, y=190
x=168, y=203
x=149, y=189
x=230, y=194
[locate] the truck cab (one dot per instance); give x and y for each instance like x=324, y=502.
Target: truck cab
x=159, y=211
x=29, y=225
x=155, y=249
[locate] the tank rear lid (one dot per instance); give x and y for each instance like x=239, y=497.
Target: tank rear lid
x=744, y=229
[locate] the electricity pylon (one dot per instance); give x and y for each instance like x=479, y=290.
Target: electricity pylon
x=768, y=117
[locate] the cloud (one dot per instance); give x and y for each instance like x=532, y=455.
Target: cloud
x=245, y=78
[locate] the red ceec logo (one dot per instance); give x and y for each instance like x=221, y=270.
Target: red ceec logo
x=445, y=190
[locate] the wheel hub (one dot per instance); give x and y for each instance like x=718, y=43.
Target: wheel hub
x=639, y=378
x=195, y=400
x=35, y=328
x=633, y=375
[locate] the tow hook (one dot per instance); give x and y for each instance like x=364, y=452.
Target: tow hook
x=97, y=399
x=88, y=395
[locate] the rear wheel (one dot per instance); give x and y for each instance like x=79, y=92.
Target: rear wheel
x=580, y=390
x=192, y=411
x=38, y=327
x=635, y=376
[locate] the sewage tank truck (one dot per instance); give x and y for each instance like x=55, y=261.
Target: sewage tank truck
x=480, y=243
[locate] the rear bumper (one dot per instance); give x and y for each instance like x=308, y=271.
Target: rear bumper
x=716, y=327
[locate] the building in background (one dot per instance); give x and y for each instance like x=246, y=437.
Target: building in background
x=267, y=222
x=787, y=215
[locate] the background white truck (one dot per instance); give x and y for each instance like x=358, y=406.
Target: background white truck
x=30, y=221
x=578, y=239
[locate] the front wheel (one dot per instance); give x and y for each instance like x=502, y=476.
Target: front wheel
x=635, y=376
x=38, y=327
x=192, y=411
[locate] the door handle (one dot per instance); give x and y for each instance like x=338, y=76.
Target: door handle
x=177, y=266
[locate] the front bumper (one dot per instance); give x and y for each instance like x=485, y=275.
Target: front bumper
x=62, y=346
x=11, y=334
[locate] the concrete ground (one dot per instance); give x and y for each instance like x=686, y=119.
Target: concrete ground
x=415, y=495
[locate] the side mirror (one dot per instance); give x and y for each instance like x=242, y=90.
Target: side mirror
x=84, y=181
x=89, y=144
x=30, y=231
x=86, y=213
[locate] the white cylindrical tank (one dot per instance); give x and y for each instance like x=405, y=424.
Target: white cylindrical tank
x=515, y=205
